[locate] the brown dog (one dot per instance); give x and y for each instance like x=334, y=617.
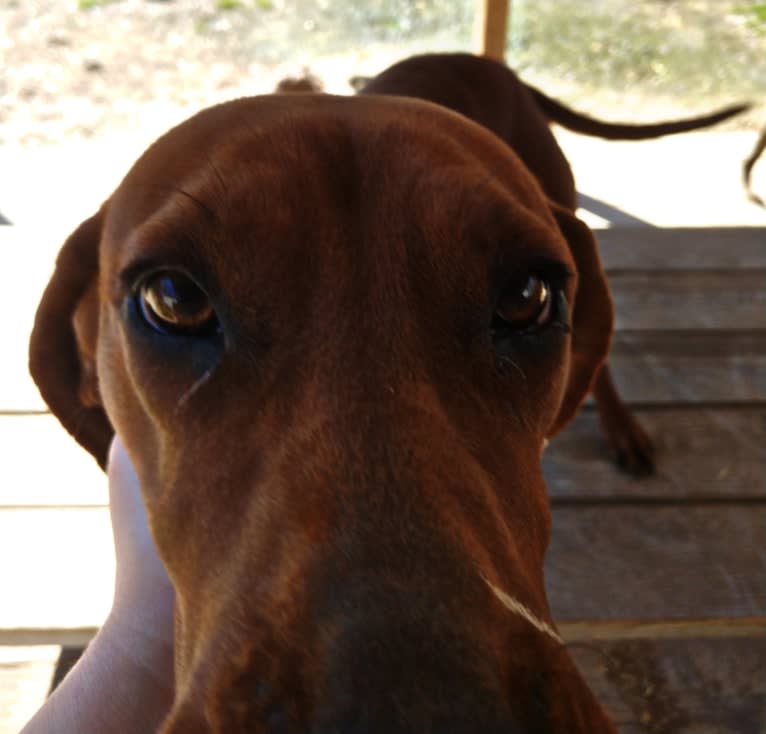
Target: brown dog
x=489, y=93
x=334, y=335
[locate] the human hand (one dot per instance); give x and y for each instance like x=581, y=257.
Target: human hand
x=124, y=681
x=143, y=595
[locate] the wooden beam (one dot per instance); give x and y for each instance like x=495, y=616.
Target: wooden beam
x=493, y=27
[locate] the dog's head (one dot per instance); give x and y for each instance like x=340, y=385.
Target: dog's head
x=334, y=334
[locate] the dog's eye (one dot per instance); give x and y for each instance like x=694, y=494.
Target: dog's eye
x=526, y=305
x=172, y=303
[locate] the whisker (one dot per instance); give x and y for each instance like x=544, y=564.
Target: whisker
x=513, y=364
x=516, y=607
x=195, y=386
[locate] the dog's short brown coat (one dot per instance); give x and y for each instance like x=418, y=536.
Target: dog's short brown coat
x=345, y=483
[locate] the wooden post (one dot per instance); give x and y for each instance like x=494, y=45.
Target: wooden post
x=493, y=27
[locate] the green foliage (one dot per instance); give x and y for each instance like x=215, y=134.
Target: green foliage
x=88, y=4
x=756, y=16
x=695, y=49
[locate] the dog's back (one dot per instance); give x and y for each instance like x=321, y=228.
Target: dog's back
x=490, y=94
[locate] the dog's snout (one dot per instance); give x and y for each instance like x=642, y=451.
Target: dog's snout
x=473, y=725
x=408, y=676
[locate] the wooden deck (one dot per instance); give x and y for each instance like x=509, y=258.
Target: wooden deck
x=659, y=585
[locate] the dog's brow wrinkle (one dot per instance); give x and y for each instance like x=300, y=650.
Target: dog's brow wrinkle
x=218, y=176
x=515, y=606
x=177, y=190
x=210, y=212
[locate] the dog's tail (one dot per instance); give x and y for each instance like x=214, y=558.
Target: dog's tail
x=747, y=168
x=580, y=123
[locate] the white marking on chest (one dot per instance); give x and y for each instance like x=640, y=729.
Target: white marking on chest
x=516, y=607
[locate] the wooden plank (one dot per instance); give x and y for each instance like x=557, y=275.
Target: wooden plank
x=713, y=366
x=62, y=571
x=73, y=636
x=18, y=393
x=25, y=674
x=24, y=273
x=651, y=366
x=572, y=632
x=711, y=686
x=682, y=248
x=715, y=686
x=721, y=299
x=684, y=629
x=68, y=658
x=42, y=465
x=657, y=562
x=492, y=23
x=605, y=563
x=682, y=300
x=701, y=453
x=708, y=686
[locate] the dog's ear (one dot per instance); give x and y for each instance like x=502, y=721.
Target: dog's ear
x=592, y=315
x=62, y=347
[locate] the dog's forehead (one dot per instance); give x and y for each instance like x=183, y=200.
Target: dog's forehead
x=271, y=118
x=316, y=134
x=284, y=177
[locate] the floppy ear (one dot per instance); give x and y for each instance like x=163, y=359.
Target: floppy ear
x=592, y=315
x=63, y=343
